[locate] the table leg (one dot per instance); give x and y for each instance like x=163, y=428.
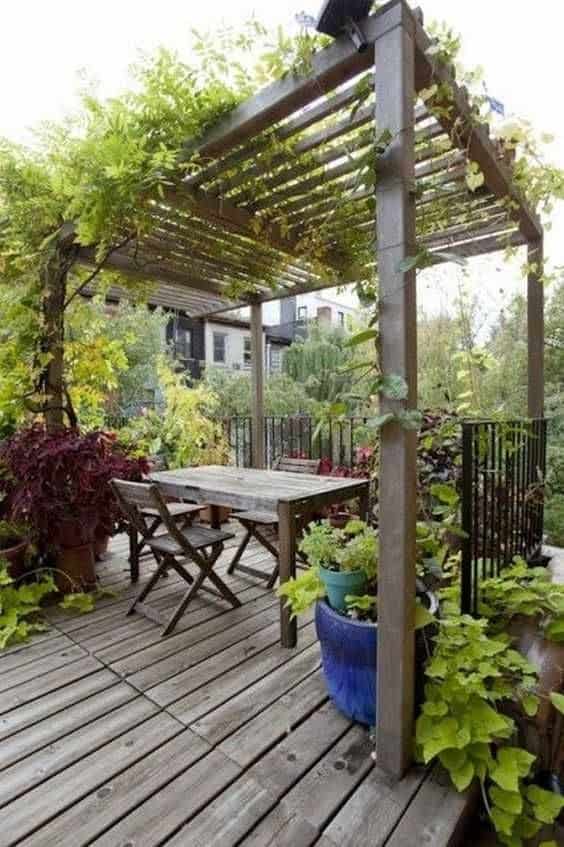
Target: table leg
x=215, y=522
x=287, y=562
x=364, y=504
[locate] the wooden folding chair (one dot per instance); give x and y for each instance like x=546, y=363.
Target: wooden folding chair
x=252, y=520
x=182, y=513
x=198, y=544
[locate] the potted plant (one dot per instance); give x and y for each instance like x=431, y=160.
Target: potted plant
x=58, y=482
x=342, y=582
x=13, y=547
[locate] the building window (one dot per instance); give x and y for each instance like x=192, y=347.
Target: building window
x=219, y=347
x=341, y=318
x=275, y=359
x=247, y=352
x=182, y=343
x=302, y=313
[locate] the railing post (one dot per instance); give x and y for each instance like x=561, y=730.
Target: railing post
x=535, y=330
x=257, y=387
x=395, y=197
x=467, y=601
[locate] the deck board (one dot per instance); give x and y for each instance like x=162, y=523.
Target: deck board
x=213, y=737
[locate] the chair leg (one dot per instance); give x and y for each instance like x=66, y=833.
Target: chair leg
x=266, y=544
x=182, y=606
x=273, y=577
x=161, y=566
x=240, y=550
x=133, y=554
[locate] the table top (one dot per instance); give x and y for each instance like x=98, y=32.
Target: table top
x=252, y=488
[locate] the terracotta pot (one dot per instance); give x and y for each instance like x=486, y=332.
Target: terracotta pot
x=75, y=569
x=101, y=543
x=75, y=532
x=15, y=557
x=339, y=520
x=544, y=733
x=224, y=514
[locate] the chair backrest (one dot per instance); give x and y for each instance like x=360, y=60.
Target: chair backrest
x=133, y=497
x=284, y=463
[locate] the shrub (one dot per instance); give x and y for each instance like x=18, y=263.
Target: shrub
x=49, y=477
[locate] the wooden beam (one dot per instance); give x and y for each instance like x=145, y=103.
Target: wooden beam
x=395, y=97
x=471, y=136
x=151, y=272
x=257, y=387
x=240, y=220
x=535, y=330
x=330, y=68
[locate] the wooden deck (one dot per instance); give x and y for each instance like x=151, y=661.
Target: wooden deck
x=214, y=736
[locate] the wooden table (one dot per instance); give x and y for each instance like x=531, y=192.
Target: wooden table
x=288, y=494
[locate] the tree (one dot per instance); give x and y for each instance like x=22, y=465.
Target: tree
x=318, y=362
x=282, y=395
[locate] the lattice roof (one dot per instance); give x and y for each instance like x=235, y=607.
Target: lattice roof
x=285, y=174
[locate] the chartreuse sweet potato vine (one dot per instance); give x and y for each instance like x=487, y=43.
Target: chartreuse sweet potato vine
x=20, y=604
x=473, y=674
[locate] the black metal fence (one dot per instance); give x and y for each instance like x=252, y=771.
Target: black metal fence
x=503, y=470
x=337, y=441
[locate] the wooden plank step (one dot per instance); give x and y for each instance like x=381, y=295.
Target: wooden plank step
x=374, y=810
x=147, y=647
x=63, y=752
x=99, y=810
x=167, y=810
x=329, y=783
x=54, y=702
x=223, y=676
x=47, y=800
x=282, y=827
x=438, y=815
x=224, y=720
x=48, y=731
x=29, y=670
x=35, y=688
x=36, y=638
x=276, y=722
x=176, y=666
x=36, y=649
x=239, y=808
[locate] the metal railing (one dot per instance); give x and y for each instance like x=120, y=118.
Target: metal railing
x=336, y=441
x=503, y=471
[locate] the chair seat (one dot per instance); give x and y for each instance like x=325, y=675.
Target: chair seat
x=177, y=510
x=265, y=518
x=197, y=536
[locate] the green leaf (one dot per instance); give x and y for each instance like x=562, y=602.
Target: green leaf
x=423, y=616
x=530, y=703
x=547, y=805
x=557, y=701
x=502, y=821
x=445, y=493
x=361, y=337
x=510, y=801
x=78, y=602
x=394, y=387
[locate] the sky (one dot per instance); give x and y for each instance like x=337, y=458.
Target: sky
x=46, y=47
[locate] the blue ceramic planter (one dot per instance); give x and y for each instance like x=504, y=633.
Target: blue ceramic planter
x=348, y=654
x=349, y=660
x=340, y=583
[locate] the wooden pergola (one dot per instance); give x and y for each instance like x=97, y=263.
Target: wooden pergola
x=269, y=178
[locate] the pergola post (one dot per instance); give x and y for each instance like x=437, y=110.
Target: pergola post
x=395, y=100
x=257, y=386
x=535, y=330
